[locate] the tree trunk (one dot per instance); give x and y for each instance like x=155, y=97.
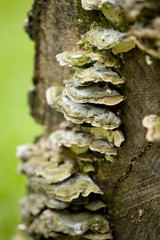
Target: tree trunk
x=131, y=183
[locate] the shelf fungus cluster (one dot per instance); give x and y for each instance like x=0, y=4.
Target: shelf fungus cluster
x=63, y=202
x=80, y=139
x=86, y=101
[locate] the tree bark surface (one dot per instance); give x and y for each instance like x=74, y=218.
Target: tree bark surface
x=131, y=185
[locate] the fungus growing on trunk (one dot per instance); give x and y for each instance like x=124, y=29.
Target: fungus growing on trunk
x=152, y=123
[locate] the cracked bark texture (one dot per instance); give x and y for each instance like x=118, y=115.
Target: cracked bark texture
x=131, y=184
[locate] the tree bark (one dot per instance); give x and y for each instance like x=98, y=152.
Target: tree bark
x=131, y=184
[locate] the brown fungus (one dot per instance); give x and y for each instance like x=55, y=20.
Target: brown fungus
x=80, y=113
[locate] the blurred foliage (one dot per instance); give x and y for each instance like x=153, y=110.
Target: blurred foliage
x=16, y=125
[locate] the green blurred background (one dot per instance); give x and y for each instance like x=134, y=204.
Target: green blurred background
x=16, y=125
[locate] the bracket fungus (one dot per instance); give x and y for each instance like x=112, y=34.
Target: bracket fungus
x=95, y=74
x=21, y=233
x=25, y=151
x=96, y=236
x=53, y=174
x=84, y=100
x=73, y=224
x=93, y=93
x=67, y=190
x=103, y=38
x=79, y=113
x=82, y=58
x=73, y=59
x=152, y=123
x=53, y=171
x=148, y=38
x=115, y=137
x=82, y=140
x=87, y=157
x=111, y=9
x=105, y=57
x=61, y=181
x=95, y=205
x=86, y=167
x=96, y=4
x=58, y=166
x=33, y=204
x=96, y=139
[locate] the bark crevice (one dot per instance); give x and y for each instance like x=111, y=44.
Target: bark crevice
x=130, y=166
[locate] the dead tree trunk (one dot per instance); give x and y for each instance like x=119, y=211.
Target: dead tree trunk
x=131, y=183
